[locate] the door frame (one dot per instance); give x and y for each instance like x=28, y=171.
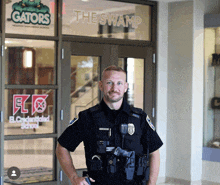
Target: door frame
x=109, y=54
x=2, y=80
x=1, y=115
x=147, y=53
x=81, y=49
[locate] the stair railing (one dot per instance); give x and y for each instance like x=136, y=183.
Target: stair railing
x=79, y=89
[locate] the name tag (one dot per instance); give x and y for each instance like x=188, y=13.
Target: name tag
x=107, y=129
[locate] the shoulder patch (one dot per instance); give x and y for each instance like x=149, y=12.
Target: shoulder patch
x=73, y=121
x=150, y=123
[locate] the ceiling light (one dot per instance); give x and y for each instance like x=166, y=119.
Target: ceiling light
x=7, y=41
x=28, y=59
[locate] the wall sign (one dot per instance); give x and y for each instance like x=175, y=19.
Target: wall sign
x=110, y=19
x=30, y=12
x=38, y=105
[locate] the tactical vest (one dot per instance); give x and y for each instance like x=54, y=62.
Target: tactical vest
x=109, y=138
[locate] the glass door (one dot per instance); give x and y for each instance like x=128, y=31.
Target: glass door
x=82, y=66
x=135, y=77
x=83, y=94
x=139, y=64
x=84, y=83
x=79, y=78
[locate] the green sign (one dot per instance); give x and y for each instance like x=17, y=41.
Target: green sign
x=30, y=12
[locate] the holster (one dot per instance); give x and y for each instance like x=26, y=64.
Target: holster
x=143, y=168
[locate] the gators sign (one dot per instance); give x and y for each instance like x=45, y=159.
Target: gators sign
x=30, y=12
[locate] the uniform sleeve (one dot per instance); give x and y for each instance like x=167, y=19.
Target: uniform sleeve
x=150, y=137
x=74, y=134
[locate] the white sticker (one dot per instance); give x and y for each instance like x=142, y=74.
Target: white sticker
x=150, y=123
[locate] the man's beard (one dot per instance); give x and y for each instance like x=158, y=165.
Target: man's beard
x=112, y=100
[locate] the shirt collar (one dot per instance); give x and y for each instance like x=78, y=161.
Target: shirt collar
x=124, y=107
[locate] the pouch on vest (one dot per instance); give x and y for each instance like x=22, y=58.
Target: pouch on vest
x=111, y=163
x=95, y=163
x=101, y=146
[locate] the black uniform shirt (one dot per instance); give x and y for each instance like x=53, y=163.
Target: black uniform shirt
x=82, y=128
x=85, y=129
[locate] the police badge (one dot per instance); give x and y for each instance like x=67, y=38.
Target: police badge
x=131, y=128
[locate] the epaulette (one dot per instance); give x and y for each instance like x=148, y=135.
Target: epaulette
x=94, y=108
x=136, y=112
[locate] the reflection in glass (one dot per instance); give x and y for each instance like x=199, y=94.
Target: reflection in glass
x=130, y=80
x=84, y=94
x=212, y=89
x=135, y=79
x=121, y=63
x=110, y=19
x=29, y=62
x=28, y=111
x=33, y=157
x=84, y=83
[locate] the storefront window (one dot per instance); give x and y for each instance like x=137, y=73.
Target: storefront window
x=32, y=158
x=29, y=111
x=30, y=17
x=107, y=19
x=29, y=62
x=212, y=88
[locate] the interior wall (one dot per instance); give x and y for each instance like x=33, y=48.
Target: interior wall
x=180, y=37
x=197, y=91
x=172, y=65
x=162, y=71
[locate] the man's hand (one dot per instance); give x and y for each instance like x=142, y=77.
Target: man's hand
x=66, y=163
x=81, y=181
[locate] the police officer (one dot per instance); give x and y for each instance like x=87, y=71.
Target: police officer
x=120, y=141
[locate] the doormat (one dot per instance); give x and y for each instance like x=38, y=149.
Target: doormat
x=30, y=175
